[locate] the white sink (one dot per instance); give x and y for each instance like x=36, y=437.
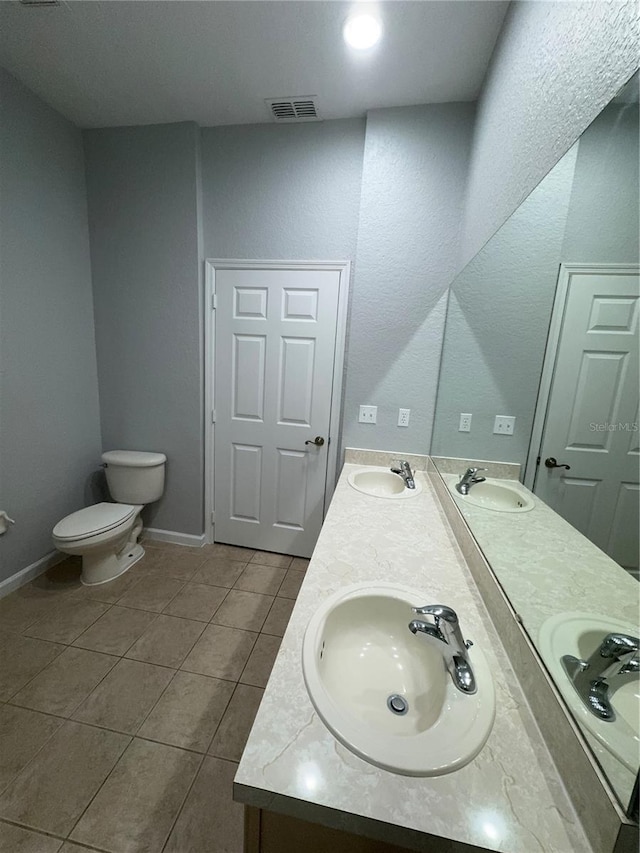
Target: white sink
x=358, y=651
x=496, y=495
x=382, y=483
x=580, y=634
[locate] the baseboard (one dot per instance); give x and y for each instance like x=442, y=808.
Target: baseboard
x=195, y=541
x=30, y=572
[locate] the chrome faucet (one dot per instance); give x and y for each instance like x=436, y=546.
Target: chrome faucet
x=616, y=655
x=469, y=479
x=403, y=468
x=445, y=634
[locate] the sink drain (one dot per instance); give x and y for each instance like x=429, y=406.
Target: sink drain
x=397, y=704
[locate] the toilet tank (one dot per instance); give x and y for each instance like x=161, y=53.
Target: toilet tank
x=133, y=476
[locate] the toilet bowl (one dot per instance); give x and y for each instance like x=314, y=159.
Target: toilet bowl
x=106, y=535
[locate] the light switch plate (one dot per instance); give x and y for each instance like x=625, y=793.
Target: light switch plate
x=504, y=425
x=368, y=414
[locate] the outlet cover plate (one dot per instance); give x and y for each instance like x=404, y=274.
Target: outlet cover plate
x=465, y=422
x=403, y=417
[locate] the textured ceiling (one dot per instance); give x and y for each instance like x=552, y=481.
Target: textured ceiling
x=119, y=63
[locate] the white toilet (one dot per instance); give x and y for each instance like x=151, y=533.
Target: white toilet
x=106, y=535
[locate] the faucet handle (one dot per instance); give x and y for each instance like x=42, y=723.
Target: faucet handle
x=615, y=645
x=438, y=611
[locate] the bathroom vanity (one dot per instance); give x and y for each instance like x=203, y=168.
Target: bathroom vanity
x=294, y=772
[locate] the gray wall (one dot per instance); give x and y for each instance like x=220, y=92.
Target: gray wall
x=282, y=192
x=497, y=324
x=49, y=420
x=555, y=67
x=415, y=163
x=142, y=194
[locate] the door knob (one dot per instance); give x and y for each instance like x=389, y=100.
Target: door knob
x=550, y=462
x=318, y=441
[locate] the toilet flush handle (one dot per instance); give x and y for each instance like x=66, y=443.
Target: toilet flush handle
x=5, y=521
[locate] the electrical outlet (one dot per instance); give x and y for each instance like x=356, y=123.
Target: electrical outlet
x=465, y=422
x=504, y=425
x=403, y=417
x=368, y=414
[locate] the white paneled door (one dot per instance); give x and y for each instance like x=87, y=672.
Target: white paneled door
x=276, y=334
x=589, y=459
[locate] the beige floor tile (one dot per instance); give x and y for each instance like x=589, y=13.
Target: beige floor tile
x=232, y=734
x=16, y=839
x=122, y=701
x=197, y=601
x=63, y=577
x=22, y=659
x=152, y=592
x=189, y=711
x=261, y=660
x=62, y=624
x=263, y=579
x=278, y=618
x=136, y=807
x=220, y=652
x=116, y=631
x=219, y=571
x=57, y=785
x=246, y=610
x=109, y=592
x=299, y=564
x=181, y=565
x=210, y=821
x=71, y=847
x=291, y=584
x=231, y=552
x=66, y=682
x=22, y=734
x=266, y=558
x=26, y=605
x=167, y=642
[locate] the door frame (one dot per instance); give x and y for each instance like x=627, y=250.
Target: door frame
x=213, y=264
x=566, y=271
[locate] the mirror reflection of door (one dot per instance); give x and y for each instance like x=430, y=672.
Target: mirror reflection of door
x=589, y=459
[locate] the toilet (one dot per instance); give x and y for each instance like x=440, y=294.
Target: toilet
x=106, y=535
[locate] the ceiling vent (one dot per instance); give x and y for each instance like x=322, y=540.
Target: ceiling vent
x=302, y=108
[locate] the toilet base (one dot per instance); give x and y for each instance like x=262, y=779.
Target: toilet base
x=102, y=568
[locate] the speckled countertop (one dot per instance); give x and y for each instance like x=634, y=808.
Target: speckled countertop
x=509, y=798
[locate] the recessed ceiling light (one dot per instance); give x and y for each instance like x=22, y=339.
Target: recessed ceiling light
x=362, y=31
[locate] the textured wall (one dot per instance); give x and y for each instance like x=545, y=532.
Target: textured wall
x=497, y=325
x=49, y=420
x=285, y=192
x=142, y=193
x=602, y=225
x=555, y=67
x=414, y=171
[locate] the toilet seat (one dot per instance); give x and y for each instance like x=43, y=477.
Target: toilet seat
x=92, y=520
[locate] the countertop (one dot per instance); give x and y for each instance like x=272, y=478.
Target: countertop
x=509, y=798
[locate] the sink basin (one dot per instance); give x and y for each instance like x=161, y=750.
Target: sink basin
x=358, y=652
x=382, y=483
x=496, y=495
x=580, y=634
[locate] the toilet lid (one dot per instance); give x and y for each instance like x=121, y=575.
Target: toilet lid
x=93, y=519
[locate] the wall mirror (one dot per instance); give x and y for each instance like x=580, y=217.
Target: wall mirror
x=542, y=326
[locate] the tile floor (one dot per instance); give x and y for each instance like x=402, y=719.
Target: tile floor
x=124, y=708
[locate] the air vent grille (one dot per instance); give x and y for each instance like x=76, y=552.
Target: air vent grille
x=293, y=109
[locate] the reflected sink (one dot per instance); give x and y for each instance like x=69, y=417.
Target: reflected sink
x=496, y=495
x=358, y=653
x=381, y=483
x=580, y=634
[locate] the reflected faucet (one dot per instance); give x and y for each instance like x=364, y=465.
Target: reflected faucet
x=469, y=479
x=403, y=468
x=445, y=634
x=616, y=655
